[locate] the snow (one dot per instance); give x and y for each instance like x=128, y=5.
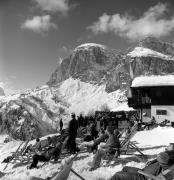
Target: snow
x=143, y=81
x=86, y=46
x=74, y=96
x=123, y=107
x=85, y=97
x=14, y=106
x=145, y=52
x=44, y=87
x=152, y=142
x=9, y=97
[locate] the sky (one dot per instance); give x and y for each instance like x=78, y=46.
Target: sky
x=36, y=34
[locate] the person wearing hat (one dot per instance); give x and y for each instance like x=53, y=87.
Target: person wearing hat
x=110, y=147
x=72, y=134
x=61, y=124
x=163, y=161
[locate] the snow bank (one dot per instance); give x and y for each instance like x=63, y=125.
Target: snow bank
x=156, y=137
x=167, y=80
x=145, y=52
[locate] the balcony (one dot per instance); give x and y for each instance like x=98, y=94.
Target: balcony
x=137, y=101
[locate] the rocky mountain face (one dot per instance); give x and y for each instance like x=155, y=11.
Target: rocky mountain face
x=157, y=45
x=92, y=63
x=158, y=60
x=97, y=64
x=30, y=114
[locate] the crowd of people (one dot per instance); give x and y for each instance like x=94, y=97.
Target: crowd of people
x=68, y=142
x=106, y=144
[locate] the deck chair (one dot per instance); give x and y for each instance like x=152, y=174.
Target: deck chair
x=127, y=144
x=19, y=154
x=167, y=174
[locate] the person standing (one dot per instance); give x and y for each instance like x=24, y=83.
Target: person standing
x=72, y=131
x=105, y=122
x=93, y=131
x=61, y=125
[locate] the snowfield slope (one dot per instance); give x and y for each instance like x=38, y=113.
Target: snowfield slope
x=85, y=97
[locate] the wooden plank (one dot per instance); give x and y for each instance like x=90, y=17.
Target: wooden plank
x=136, y=148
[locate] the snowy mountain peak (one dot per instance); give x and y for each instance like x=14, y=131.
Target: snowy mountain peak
x=157, y=45
x=87, y=46
x=146, y=52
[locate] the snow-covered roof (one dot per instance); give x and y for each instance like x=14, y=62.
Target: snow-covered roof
x=143, y=81
x=88, y=45
x=145, y=52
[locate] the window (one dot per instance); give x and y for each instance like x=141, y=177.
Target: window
x=161, y=112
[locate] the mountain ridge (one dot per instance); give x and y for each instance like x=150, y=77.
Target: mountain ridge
x=92, y=78
x=95, y=63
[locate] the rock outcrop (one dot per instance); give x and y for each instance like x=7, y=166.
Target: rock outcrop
x=152, y=57
x=92, y=63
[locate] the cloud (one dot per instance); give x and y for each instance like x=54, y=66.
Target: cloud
x=61, y=6
x=64, y=52
x=153, y=22
x=39, y=24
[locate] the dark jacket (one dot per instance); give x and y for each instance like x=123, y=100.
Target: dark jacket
x=73, y=126
x=53, y=152
x=61, y=123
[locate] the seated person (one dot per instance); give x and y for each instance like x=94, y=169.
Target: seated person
x=102, y=138
x=93, y=131
x=117, y=133
x=28, y=149
x=50, y=143
x=111, y=146
x=38, y=145
x=64, y=134
x=48, y=154
x=88, y=138
x=153, y=120
x=163, y=161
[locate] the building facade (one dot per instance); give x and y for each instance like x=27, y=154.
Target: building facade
x=153, y=96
